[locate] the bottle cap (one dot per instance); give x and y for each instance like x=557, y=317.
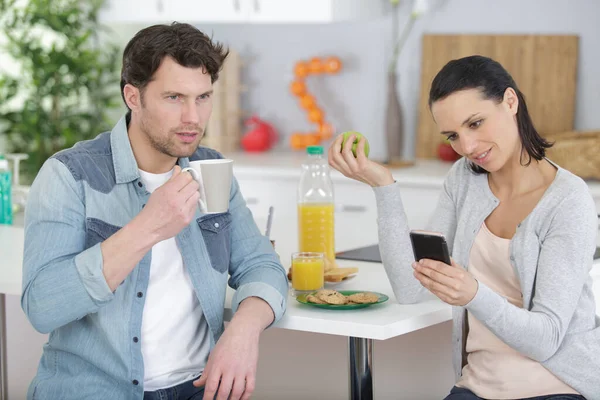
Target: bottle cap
x=314, y=150
x=3, y=162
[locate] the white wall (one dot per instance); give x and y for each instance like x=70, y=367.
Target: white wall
x=355, y=99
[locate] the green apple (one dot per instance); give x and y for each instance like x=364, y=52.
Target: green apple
x=357, y=137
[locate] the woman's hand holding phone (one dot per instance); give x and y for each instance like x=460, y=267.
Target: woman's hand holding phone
x=360, y=167
x=450, y=283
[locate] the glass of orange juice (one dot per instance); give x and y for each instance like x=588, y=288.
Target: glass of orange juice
x=308, y=272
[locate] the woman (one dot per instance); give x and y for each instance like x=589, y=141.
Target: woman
x=522, y=234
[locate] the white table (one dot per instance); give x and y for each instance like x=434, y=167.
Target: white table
x=362, y=326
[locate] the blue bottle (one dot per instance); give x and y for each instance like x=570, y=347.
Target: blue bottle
x=6, y=214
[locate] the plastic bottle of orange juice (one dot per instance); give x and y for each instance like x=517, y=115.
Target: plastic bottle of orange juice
x=315, y=206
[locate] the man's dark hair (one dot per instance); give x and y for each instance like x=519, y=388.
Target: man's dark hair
x=186, y=44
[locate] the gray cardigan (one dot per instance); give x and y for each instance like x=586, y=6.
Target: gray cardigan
x=551, y=252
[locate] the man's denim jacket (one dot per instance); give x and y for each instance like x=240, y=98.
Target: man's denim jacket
x=81, y=197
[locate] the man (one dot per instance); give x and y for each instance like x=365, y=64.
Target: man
x=120, y=266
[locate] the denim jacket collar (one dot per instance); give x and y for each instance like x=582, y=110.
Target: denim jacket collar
x=126, y=169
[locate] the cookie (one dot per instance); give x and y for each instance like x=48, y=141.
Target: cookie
x=326, y=292
x=332, y=297
x=314, y=299
x=363, y=298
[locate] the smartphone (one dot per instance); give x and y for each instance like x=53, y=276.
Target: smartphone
x=431, y=245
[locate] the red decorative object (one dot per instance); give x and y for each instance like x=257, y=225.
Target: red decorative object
x=261, y=136
x=447, y=153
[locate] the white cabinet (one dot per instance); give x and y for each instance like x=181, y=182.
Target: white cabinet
x=311, y=11
x=355, y=210
x=146, y=12
x=261, y=193
x=355, y=215
x=219, y=11
x=134, y=11
x=355, y=206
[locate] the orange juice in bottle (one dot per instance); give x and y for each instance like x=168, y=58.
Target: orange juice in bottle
x=315, y=229
x=315, y=206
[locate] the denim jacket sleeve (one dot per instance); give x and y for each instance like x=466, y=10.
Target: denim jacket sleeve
x=255, y=269
x=62, y=280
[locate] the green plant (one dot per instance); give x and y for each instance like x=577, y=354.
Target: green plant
x=67, y=84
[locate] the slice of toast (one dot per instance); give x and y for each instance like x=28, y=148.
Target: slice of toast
x=339, y=274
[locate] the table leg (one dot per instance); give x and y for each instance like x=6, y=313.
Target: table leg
x=3, y=373
x=361, y=368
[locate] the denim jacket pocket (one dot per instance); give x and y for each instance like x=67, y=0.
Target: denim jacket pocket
x=216, y=232
x=98, y=231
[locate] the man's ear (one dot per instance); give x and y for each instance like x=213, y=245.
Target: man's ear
x=133, y=97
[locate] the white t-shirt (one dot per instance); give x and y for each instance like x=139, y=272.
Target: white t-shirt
x=175, y=335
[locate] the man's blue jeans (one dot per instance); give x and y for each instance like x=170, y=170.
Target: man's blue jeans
x=183, y=391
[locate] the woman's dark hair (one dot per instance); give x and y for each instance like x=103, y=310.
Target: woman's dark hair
x=487, y=75
x=187, y=45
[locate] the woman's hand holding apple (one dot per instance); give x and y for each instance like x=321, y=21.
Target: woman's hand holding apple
x=358, y=167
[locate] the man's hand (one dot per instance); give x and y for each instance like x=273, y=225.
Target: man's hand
x=451, y=283
x=171, y=207
x=230, y=372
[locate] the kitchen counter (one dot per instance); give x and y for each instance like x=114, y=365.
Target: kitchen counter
x=288, y=165
x=425, y=173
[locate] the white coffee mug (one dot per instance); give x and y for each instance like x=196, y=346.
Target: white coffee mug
x=214, y=177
